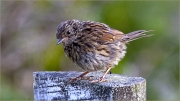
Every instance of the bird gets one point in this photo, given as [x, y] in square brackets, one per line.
[94, 46]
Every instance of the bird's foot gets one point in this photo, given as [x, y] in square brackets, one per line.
[79, 78]
[98, 81]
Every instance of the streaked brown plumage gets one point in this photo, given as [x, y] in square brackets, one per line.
[94, 46]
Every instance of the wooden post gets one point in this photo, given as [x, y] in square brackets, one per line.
[55, 86]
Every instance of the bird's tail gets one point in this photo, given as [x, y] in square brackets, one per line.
[135, 35]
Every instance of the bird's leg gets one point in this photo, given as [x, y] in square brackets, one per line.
[78, 78]
[102, 78]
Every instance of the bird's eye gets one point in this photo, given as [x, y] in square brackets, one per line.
[68, 33]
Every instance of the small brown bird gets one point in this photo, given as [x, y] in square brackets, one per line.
[94, 46]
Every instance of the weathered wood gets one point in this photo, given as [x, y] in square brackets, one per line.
[54, 86]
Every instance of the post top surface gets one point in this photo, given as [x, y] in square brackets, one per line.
[113, 80]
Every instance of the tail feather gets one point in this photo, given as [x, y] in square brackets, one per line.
[135, 35]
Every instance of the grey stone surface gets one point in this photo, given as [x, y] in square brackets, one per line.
[55, 86]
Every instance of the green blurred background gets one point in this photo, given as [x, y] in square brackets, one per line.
[28, 42]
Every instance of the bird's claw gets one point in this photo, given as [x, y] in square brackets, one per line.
[79, 78]
[98, 81]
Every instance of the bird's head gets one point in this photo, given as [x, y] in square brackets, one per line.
[66, 31]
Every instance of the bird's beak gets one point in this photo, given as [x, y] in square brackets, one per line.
[59, 41]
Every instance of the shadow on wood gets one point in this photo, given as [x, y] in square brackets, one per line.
[54, 86]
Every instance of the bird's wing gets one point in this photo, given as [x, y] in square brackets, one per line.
[101, 33]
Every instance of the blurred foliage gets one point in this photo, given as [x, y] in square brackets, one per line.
[7, 92]
[28, 42]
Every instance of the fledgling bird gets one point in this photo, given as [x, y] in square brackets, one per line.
[94, 46]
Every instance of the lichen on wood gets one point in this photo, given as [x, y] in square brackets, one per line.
[55, 86]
